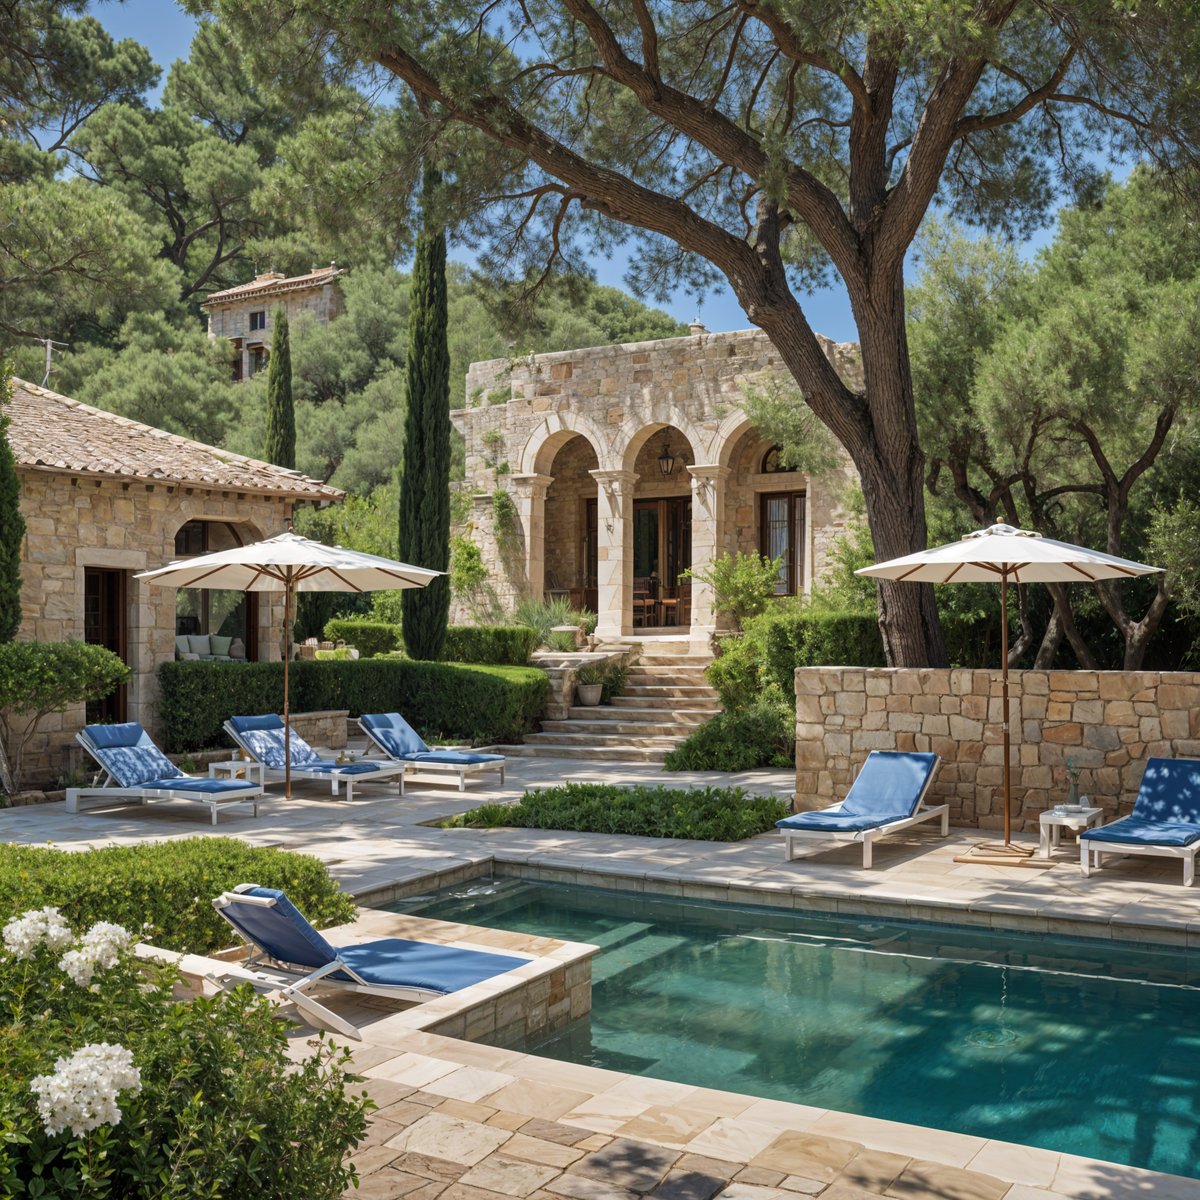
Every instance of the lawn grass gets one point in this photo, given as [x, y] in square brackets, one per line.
[710, 814]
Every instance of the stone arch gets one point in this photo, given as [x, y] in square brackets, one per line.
[553, 433]
[635, 433]
[728, 434]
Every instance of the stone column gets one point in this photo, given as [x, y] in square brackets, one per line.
[708, 541]
[529, 494]
[614, 555]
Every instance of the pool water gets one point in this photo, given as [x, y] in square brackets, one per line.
[1082, 1046]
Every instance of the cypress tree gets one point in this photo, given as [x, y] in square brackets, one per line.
[12, 525]
[425, 484]
[281, 413]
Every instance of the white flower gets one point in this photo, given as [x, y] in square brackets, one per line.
[24, 934]
[99, 949]
[82, 1093]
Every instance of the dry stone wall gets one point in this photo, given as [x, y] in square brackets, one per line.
[1106, 723]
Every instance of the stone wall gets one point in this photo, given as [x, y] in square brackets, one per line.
[1107, 723]
[75, 522]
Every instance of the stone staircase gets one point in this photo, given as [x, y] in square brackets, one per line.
[665, 698]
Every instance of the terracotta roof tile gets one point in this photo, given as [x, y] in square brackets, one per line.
[273, 284]
[49, 432]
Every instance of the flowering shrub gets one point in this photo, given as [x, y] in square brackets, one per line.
[111, 1088]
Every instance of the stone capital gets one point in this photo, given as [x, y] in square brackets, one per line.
[530, 483]
[709, 473]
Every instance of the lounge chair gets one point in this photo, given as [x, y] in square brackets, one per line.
[292, 960]
[888, 795]
[405, 747]
[1165, 821]
[134, 769]
[262, 738]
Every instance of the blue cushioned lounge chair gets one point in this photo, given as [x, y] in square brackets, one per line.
[1165, 821]
[403, 745]
[262, 738]
[133, 768]
[887, 795]
[289, 957]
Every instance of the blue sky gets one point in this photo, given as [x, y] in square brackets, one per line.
[166, 31]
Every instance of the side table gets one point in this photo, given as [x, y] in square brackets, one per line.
[1054, 820]
[237, 768]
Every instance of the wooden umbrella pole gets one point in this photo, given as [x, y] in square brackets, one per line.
[1004, 676]
[287, 659]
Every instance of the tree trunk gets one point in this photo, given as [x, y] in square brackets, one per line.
[1062, 606]
[1051, 640]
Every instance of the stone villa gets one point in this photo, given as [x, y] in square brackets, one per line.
[242, 314]
[624, 465]
[104, 497]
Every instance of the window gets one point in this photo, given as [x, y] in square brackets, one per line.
[258, 320]
[229, 614]
[781, 531]
[258, 359]
[772, 463]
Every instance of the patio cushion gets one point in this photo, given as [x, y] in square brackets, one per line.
[824, 821]
[263, 737]
[462, 758]
[181, 644]
[198, 643]
[394, 734]
[196, 786]
[1138, 832]
[128, 733]
[328, 766]
[398, 962]
[1170, 791]
[132, 766]
[282, 930]
[889, 784]
[220, 645]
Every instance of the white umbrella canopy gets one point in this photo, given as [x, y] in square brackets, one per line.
[1000, 554]
[289, 563]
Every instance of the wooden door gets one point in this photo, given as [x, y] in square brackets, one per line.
[106, 623]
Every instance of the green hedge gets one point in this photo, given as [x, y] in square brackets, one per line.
[168, 884]
[707, 814]
[760, 736]
[441, 700]
[369, 638]
[501, 645]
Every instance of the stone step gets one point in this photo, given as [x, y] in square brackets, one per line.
[610, 712]
[638, 729]
[694, 675]
[588, 740]
[710, 704]
[674, 660]
[670, 689]
[632, 754]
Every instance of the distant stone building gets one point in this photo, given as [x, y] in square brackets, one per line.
[104, 497]
[242, 314]
[624, 465]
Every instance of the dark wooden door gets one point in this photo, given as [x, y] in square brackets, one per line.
[105, 623]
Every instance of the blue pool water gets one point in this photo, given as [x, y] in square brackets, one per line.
[1076, 1045]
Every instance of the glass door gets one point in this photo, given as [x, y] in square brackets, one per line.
[104, 624]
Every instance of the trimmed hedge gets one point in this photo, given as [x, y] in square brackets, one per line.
[749, 739]
[369, 638]
[500, 645]
[441, 700]
[170, 885]
[707, 814]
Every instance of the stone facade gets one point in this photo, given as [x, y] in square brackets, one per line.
[557, 431]
[229, 312]
[1106, 723]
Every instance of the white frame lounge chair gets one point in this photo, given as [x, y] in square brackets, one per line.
[1165, 822]
[887, 795]
[262, 738]
[291, 960]
[134, 770]
[396, 738]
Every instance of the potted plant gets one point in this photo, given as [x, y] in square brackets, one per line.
[589, 683]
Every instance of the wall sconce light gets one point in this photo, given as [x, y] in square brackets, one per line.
[666, 460]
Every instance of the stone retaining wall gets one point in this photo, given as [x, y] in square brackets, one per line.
[1107, 723]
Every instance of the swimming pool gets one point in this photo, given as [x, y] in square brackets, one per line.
[1083, 1046]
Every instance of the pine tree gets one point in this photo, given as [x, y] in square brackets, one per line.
[425, 485]
[12, 525]
[281, 413]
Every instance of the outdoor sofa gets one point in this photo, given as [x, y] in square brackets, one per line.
[133, 768]
[393, 735]
[887, 795]
[291, 960]
[262, 738]
[1165, 821]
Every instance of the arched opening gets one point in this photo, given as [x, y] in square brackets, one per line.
[659, 455]
[571, 522]
[214, 623]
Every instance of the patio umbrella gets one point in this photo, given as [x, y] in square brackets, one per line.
[289, 563]
[1004, 554]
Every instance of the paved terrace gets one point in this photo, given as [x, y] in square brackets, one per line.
[461, 1121]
